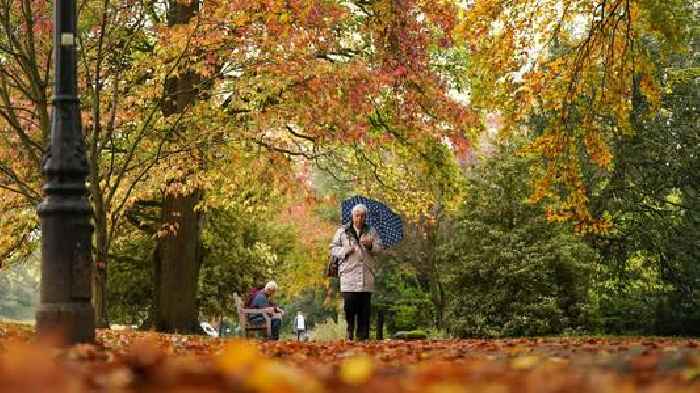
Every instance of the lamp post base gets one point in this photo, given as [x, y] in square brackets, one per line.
[73, 322]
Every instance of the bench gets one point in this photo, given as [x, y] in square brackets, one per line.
[248, 327]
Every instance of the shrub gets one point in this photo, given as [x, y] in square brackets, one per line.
[512, 272]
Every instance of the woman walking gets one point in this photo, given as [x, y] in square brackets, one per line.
[356, 245]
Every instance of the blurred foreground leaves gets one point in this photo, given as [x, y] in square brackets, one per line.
[150, 362]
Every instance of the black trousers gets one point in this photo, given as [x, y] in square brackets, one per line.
[358, 306]
[275, 326]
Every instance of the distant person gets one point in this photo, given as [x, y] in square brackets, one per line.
[263, 301]
[299, 325]
[355, 245]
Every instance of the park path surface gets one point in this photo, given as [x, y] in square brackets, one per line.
[151, 362]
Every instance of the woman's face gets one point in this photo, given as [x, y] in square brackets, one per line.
[358, 219]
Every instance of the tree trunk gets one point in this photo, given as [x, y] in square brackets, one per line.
[176, 259]
[99, 273]
[99, 295]
[437, 291]
[438, 298]
[177, 266]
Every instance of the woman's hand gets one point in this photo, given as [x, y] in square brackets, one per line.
[350, 249]
[366, 240]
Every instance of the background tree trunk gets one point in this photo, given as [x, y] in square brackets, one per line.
[177, 254]
[99, 271]
[177, 270]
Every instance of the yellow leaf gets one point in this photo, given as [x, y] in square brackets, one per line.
[446, 387]
[524, 362]
[356, 370]
[284, 18]
[271, 376]
[238, 356]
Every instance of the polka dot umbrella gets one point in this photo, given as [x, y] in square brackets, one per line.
[387, 223]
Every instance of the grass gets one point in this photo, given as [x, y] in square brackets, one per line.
[329, 330]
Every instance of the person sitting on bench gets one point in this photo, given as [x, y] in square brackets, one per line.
[263, 301]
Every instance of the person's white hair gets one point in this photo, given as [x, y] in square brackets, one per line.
[360, 207]
[270, 286]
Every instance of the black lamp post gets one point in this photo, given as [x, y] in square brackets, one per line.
[65, 213]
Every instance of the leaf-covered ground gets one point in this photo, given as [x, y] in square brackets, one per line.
[150, 362]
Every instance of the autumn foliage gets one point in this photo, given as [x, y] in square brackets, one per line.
[391, 99]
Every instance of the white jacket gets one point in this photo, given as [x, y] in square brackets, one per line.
[357, 269]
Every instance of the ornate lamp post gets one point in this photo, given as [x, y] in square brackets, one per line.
[65, 212]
